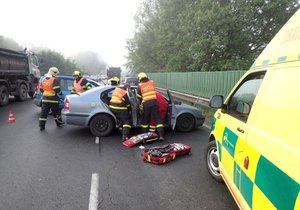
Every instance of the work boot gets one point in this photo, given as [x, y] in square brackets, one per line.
[161, 138]
[161, 133]
[124, 138]
[42, 128]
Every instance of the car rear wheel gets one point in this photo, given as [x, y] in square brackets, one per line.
[102, 125]
[185, 123]
[212, 161]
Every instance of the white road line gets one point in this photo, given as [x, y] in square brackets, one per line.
[97, 140]
[206, 126]
[93, 205]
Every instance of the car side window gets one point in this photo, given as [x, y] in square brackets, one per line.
[106, 96]
[69, 84]
[241, 101]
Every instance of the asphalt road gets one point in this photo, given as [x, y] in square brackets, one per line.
[53, 169]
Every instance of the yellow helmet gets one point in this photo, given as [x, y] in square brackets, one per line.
[76, 73]
[114, 81]
[141, 76]
[53, 71]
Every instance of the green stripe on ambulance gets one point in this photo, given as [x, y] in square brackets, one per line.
[280, 189]
[229, 141]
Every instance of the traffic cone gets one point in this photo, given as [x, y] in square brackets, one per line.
[11, 118]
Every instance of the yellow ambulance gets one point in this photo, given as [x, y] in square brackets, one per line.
[254, 144]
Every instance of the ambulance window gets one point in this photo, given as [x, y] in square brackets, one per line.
[241, 101]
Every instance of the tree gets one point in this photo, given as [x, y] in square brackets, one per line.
[90, 62]
[204, 35]
[49, 58]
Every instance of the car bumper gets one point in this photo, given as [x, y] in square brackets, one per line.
[75, 119]
[199, 121]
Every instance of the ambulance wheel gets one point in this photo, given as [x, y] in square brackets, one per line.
[101, 125]
[212, 161]
[185, 123]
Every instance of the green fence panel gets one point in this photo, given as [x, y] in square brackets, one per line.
[205, 84]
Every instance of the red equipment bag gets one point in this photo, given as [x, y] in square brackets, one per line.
[144, 137]
[165, 153]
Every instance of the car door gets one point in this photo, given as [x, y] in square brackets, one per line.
[232, 120]
[171, 115]
[135, 115]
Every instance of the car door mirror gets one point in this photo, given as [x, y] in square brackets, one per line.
[216, 101]
[243, 108]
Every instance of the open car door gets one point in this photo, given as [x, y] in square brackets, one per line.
[134, 101]
[171, 109]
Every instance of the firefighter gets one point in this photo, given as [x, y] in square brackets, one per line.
[80, 84]
[120, 106]
[147, 93]
[50, 88]
[163, 109]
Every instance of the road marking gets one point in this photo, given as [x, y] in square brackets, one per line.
[93, 205]
[97, 140]
[206, 126]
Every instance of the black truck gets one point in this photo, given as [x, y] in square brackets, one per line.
[19, 75]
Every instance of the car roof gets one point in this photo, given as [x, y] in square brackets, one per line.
[72, 78]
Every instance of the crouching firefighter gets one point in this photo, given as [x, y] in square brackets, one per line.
[147, 92]
[50, 88]
[120, 106]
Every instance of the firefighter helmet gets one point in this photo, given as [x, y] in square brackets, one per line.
[53, 71]
[76, 73]
[114, 81]
[141, 76]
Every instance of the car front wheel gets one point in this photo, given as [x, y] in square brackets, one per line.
[102, 125]
[212, 161]
[185, 123]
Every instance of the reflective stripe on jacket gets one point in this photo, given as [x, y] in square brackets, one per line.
[148, 90]
[77, 86]
[118, 100]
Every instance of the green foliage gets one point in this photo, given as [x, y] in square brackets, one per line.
[204, 35]
[49, 58]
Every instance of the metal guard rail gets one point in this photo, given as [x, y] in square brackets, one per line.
[186, 97]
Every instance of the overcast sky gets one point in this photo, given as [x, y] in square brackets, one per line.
[70, 26]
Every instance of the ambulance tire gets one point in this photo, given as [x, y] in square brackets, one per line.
[212, 161]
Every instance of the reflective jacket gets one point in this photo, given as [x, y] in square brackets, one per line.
[80, 85]
[119, 99]
[50, 87]
[148, 91]
[77, 85]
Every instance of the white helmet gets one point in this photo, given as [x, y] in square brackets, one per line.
[53, 71]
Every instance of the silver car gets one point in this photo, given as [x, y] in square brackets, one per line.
[91, 109]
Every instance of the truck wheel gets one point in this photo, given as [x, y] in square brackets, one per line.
[22, 93]
[101, 125]
[212, 161]
[4, 96]
[31, 94]
[185, 123]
